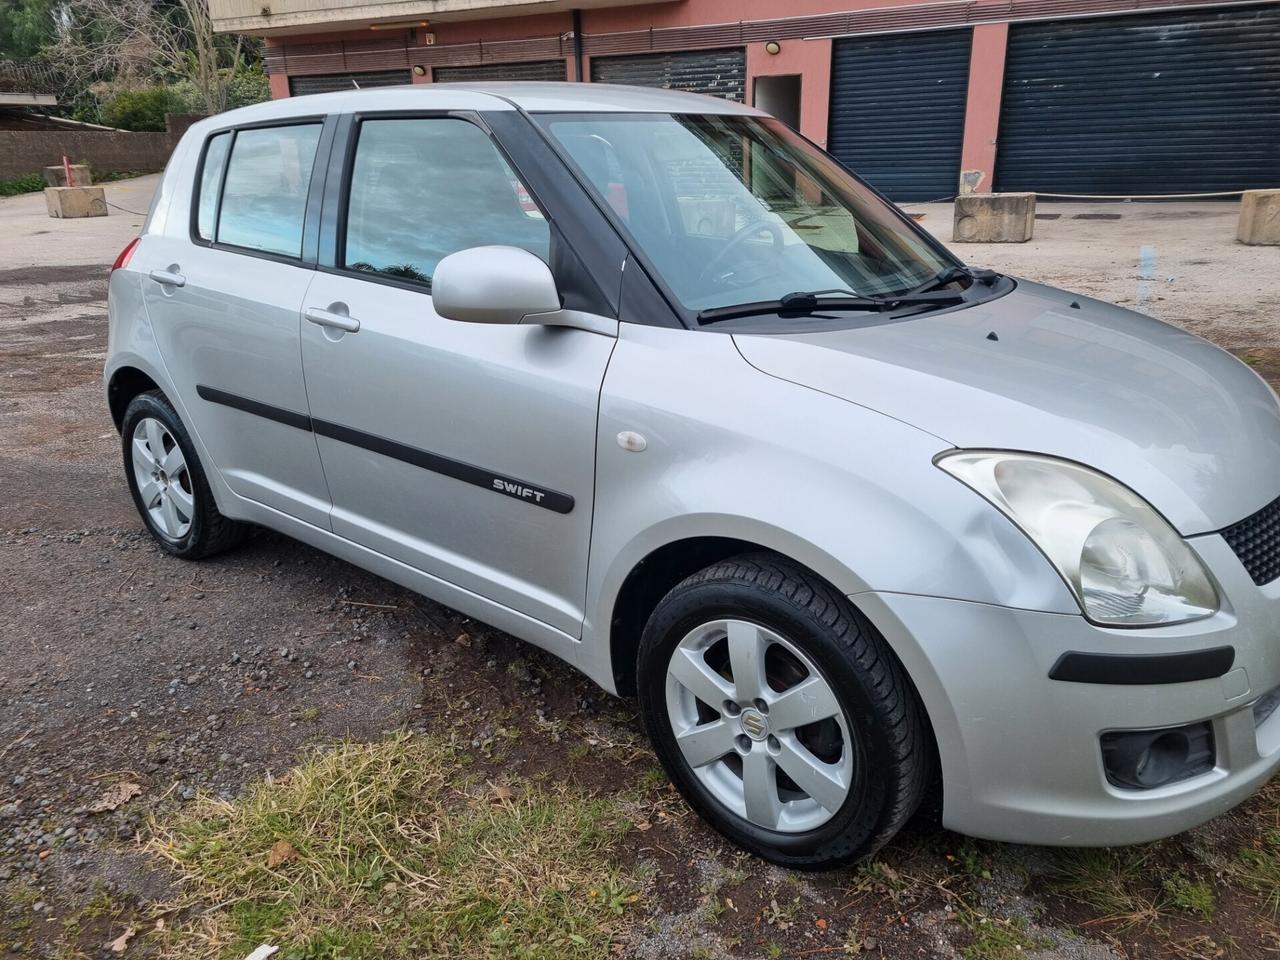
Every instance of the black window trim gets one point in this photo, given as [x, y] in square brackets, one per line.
[311, 208]
[332, 254]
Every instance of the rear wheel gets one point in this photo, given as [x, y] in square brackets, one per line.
[168, 484]
[781, 714]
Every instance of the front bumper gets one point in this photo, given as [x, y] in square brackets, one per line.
[1020, 753]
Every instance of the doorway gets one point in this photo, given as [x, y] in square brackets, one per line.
[780, 96]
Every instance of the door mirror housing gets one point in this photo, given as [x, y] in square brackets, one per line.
[493, 285]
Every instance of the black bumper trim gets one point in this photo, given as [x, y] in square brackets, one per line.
[1141, 669]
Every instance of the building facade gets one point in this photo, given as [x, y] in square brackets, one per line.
[925, 99]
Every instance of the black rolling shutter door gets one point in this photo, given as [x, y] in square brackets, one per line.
[897, 110]
[534, 70]
[717, 73]
[331, 82]
[1181, 102]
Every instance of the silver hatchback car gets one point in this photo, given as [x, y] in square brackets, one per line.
[651, 382]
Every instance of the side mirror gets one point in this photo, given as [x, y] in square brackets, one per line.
[493, 285]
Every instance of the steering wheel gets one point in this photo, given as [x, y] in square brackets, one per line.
[748, 232]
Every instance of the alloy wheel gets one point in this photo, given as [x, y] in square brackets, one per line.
[164, 482]
[759, 725]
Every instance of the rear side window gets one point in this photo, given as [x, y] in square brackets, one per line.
[215, 160]
[264, 193]
[425, 188]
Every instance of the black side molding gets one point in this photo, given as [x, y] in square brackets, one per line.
[445, 466]
[257, 408]
[1144, 668]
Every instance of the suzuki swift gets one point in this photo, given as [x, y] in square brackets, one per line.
[649, 381]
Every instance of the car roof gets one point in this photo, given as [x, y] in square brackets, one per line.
[589, 97]
[532, 96]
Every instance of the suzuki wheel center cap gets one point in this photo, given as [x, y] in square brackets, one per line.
[754, 724]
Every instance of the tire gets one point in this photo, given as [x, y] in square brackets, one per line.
[179, 510]
[875, 745]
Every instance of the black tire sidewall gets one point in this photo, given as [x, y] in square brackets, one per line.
[847, 835]
[155, 406]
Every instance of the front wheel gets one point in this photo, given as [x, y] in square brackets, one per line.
[781, 714]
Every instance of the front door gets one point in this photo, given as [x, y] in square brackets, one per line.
[464, 450]
[225, 306]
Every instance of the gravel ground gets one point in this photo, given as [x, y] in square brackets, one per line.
[124, 665]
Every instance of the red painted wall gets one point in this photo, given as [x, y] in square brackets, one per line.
[811, 60]
[982, 111]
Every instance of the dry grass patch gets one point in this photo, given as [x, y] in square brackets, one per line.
[1109, 880]
[387, 850]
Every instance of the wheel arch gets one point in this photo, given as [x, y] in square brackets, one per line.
[663, 567]
[126, 383]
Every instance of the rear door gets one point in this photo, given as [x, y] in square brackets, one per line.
[224, 295]
[464, 450]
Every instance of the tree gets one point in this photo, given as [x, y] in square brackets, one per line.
[26, 27]
[140, 42]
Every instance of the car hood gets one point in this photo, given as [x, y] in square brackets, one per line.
[1181, 422]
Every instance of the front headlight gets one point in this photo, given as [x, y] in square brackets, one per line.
[1122, 560]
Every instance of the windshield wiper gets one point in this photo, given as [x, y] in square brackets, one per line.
[951, 275]
[797, 304]
[806, 302]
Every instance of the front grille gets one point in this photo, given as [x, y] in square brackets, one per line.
[1256, 541]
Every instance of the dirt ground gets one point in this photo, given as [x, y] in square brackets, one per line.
[121, 664]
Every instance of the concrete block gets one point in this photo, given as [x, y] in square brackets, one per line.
[994, 217]
[68, 202]
[57, 177]
[1259, 217]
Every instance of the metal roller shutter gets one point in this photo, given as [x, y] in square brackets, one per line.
[1159, 103]
[717, 73]
[537, 70]
[897, 110]
[332, 82]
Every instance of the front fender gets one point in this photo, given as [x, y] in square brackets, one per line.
[848, 492]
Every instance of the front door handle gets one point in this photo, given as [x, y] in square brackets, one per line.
[170, 278]
[327, 318]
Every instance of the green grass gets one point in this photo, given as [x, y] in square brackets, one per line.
[27, 183]
[994, 938]
[1190, 896]
[1258, 868]
[651, 778]
[397, 857]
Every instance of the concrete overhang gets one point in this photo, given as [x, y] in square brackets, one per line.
[10, 99]
[265, 18]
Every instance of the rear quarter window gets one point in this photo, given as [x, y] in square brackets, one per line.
[215, 161]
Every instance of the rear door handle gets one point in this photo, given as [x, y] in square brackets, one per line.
[170, 278]
[327, 318]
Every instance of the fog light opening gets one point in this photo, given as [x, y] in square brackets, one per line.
[1163, 760]
[1146, 759]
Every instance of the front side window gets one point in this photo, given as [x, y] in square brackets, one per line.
[735, 209]
[422, 189]
[264, 197]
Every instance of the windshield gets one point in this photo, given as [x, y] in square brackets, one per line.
[734, 209]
